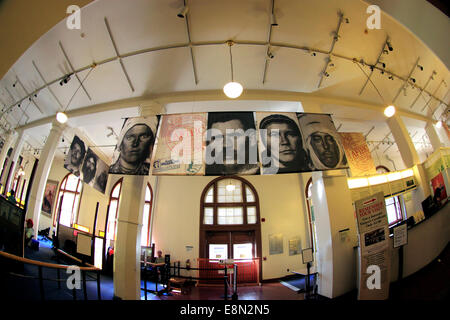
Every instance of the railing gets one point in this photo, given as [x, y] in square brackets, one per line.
[58, 268]
[211, 274]
[248, 269]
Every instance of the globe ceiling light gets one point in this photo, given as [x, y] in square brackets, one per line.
[230, 187]
[439, 124]
[61, 117]
[389, 111]
[233, 89]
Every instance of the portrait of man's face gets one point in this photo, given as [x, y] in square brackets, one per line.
[136, 143]
[76, 155]
[89, 168]
[322, 141]
[289, 141]
[240, 142]
[233, 140]
[326, 148]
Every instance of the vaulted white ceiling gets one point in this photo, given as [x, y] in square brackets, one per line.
[161, 53]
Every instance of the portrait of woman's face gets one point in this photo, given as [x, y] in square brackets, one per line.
[289, 141]
[136, 143]
[326, 148]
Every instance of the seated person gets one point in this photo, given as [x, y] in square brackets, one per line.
[29, 232]
[159, 258]
[12, 197]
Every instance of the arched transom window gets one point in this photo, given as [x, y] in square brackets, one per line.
[229, 201]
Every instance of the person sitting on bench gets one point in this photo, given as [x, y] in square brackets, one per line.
[159, 258]
[29, 232]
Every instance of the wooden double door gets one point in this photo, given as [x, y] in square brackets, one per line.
[230, 244]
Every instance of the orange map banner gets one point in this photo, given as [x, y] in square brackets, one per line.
[358, 154]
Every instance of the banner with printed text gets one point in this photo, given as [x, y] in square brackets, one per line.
[374, 252]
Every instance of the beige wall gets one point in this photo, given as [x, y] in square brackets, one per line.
[177, 215]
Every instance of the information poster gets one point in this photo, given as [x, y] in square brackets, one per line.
[400, 235]
[373, 228]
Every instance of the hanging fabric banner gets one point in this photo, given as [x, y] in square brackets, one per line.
[132, 154]
[358, 154]
[180, 145]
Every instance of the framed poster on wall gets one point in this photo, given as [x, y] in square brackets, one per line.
[49, 196]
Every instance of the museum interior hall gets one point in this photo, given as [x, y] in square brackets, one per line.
[224, 150]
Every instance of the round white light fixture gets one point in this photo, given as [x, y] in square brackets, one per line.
[233, 89]
[439, 124]
[230, 188]
[61, 117]
[389, 111]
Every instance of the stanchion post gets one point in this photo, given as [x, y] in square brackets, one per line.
[235, 295]
[41, 283]
[98, 286]
[145, 280]
[308, 267]
[225, 283]
[83, 273]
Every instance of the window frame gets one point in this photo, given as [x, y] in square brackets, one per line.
[400, 216]
[215, 205]
[62, 188]
[111, 198]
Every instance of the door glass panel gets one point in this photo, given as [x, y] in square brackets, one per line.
[218, 251]
[242, 251]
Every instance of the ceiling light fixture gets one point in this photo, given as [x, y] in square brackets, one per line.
[439, 124]
[232, 89]
[389, 111]
[273, 18]
[61, 117]
[183, 12]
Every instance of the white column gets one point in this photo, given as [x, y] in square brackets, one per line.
[11, 166]
[410, 158]
[333, 211]
[127, 251]
[40, 178]
[403, 140]
[432, 134]
[11, 136]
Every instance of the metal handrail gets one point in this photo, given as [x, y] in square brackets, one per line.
[58, 267]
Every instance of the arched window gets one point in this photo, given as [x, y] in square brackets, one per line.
[113, 211]
[111, 221]
[229, 202]
[145, 233]
[70, 190]
[229, 220]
